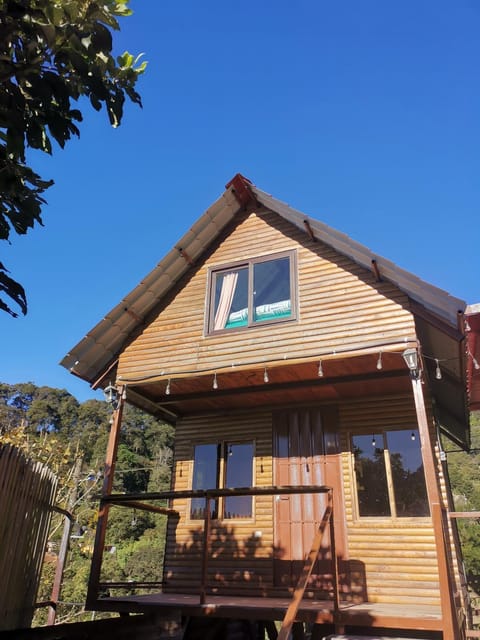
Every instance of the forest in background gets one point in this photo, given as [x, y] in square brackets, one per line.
[51, 426]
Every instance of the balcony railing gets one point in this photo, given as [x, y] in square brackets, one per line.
[142, 501]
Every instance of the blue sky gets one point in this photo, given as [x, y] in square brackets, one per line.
[365, 115]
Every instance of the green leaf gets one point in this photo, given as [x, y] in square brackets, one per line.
[101, 39]
[125, 60]
[14, 290]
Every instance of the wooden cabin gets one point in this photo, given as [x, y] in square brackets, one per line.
[310, 382]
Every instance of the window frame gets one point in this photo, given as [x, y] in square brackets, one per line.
[250, 263]
[389, 477]
[218, 509]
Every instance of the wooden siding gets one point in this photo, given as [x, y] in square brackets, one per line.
[387, 560]
[240, 562]
[398, 556]
[341, 306]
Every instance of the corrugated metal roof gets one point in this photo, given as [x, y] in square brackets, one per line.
[93, 354]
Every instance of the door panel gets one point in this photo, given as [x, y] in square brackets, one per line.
[299, 459]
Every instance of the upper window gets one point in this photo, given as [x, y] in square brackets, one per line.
[389, 475]
[260, 290]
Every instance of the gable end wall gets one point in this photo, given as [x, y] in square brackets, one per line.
[341, 306]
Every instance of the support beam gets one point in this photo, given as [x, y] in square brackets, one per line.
[376, 270]
[309, 229]
[450, 629]
[92, 592]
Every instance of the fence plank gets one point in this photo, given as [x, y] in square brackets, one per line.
[27, 495]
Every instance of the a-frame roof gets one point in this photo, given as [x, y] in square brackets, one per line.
[91, 358]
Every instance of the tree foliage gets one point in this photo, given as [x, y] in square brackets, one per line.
[464, 473]
[51, 55]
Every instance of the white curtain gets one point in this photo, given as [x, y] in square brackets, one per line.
[226, 298]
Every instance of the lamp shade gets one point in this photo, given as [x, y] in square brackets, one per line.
[110, 394]
[411, 358]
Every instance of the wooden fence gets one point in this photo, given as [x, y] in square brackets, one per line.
[27, 495]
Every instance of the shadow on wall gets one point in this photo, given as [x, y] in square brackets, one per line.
[248, 567]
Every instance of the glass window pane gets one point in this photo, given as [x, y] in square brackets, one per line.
[407, 473]
[271, 290]
[231, 299]
[371, 475]
[239, 466]
[205, 476]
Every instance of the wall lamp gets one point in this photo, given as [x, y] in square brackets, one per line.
[411, 359]
[111, 395]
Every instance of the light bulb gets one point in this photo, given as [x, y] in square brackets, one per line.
[379, 361]
[438, 371]
[167, 388]
[215, 383]
[320, 369]
[265, 375]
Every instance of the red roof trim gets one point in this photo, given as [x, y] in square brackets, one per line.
[242, 190]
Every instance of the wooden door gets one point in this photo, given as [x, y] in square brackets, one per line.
[299, 442]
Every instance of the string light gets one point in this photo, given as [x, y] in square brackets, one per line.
[474, 360]
[412, 437]
[320, 369]
[374, 444]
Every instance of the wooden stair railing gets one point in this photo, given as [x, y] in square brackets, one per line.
[291, 613]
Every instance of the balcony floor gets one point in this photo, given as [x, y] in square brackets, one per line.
[375, 615]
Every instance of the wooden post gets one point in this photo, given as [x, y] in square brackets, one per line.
[450, 631]
[206, 550]
[65, 542]
[333, 551]
[92, 592]
[62, 556]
